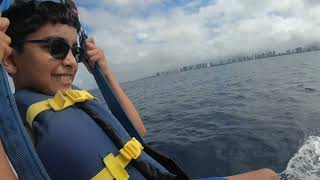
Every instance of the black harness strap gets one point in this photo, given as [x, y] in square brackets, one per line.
[146, 169]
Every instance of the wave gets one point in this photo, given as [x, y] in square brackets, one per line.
[305, 164]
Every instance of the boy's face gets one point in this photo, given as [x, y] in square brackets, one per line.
[36, 69]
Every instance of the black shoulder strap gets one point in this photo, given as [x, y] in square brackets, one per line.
[147, 169]
[167, 162]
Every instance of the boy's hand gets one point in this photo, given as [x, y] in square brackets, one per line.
[5, 41]
[95, 55]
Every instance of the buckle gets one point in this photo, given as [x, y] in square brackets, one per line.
[132, 149]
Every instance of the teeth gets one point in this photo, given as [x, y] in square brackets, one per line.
[63, 77]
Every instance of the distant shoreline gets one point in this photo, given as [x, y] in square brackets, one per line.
[234, 60]
[212, 65]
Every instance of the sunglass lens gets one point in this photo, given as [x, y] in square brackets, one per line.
[59, 48]
[76, 51]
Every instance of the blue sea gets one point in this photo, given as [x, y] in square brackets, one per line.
[234, 118]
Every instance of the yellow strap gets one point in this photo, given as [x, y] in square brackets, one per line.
[59, 102]
[115, 166]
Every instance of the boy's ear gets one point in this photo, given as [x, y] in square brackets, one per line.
[10, 64]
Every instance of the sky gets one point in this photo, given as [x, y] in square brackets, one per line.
[143, 37]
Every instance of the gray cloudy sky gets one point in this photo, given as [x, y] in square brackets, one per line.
[142, 37]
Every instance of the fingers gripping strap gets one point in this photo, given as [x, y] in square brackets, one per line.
[59, 102]
[115, 166]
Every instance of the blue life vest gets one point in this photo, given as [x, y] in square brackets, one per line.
[71, 145]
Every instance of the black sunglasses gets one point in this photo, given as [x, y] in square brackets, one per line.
[58, 47]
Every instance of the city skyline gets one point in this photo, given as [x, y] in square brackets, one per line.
[236, 59]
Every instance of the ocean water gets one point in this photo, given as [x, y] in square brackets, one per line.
[230, 119]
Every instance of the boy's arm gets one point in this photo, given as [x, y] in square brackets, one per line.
[6, 170]
[5, 49]
[96, 55]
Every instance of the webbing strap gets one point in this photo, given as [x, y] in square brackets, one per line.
[14, 137]
[109, 96]
[4, 5]
[59, 102]
[113, 103]
[115, 166]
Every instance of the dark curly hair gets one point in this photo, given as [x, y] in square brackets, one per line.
[28, 17]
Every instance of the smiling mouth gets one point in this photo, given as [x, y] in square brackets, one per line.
[65, 78]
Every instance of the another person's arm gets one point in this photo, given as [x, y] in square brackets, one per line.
[96, 55]
[261, 174]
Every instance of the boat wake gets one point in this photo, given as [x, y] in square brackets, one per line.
[305, 164]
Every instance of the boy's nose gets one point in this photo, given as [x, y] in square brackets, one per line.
[69, 59]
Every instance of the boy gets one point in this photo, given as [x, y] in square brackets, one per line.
[42, 64]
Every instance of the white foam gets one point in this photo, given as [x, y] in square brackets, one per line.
[305, 164]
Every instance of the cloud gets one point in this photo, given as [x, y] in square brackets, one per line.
[128, 3]
[143, 37]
